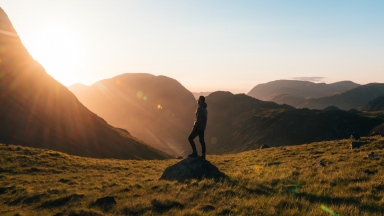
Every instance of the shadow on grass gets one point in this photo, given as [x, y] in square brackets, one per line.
[158, 206]
[85, 212]
[61, 201]
[27, 199]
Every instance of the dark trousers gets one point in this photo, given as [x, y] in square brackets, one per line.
[193, 135]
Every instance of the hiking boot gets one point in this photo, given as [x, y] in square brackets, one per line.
[202, 157]
[193, 155]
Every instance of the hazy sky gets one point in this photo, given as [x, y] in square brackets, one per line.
[206, 45]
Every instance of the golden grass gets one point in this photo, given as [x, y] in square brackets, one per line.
[44, 182]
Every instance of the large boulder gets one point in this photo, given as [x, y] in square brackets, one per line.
[191, 168]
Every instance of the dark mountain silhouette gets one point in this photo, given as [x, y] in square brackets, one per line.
[374, 105]
[197, 94]
[270, 90]
[37, 111]
[156, 109]
[240, 122]
[331, 108]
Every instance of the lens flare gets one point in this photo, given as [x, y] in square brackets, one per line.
[294, 192]
[159, 106]
[329, 210]
[145, 98]
[139, 94]
[213, 140]
[118, 82]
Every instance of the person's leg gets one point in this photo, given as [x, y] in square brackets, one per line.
[202, 142]
[192, 136]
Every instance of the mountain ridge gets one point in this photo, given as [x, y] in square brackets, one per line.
[267, 91]
[353, 98]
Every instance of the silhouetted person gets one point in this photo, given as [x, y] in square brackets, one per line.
[199, 127]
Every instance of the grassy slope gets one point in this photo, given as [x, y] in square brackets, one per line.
[44, 182]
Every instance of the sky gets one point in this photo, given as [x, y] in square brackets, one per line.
[206, 45]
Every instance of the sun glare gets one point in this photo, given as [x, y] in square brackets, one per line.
[57, 49]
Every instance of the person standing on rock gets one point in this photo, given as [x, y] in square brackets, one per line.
[199, 127]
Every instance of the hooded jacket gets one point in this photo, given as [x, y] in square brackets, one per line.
[201, 117]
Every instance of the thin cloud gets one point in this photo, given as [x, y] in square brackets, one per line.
[312, 79]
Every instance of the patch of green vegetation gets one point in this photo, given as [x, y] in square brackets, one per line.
[44, 182]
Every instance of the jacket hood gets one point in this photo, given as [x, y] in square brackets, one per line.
[203, 104]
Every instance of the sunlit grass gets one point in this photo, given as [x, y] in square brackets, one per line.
[43, 182]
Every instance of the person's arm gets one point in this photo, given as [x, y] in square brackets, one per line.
[199, 118]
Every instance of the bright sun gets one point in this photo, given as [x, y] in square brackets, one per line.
[57, 49]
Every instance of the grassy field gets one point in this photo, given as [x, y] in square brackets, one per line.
[43, 182]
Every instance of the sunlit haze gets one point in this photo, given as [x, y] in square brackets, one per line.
[205, 45]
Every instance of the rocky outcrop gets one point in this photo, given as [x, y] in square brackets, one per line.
[191, 168]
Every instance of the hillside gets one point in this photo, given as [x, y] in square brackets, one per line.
[43, 182]
[291, 100]
[239, 123]
[374, 105]
[37, 111]
[270, 90]
[348, 99]
[156, 109]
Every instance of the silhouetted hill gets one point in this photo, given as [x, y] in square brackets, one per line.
[270, 90]
[331, 108]
[374, 105]
[37, 111]
[197, 94]
[240, 123]
[156, 109]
